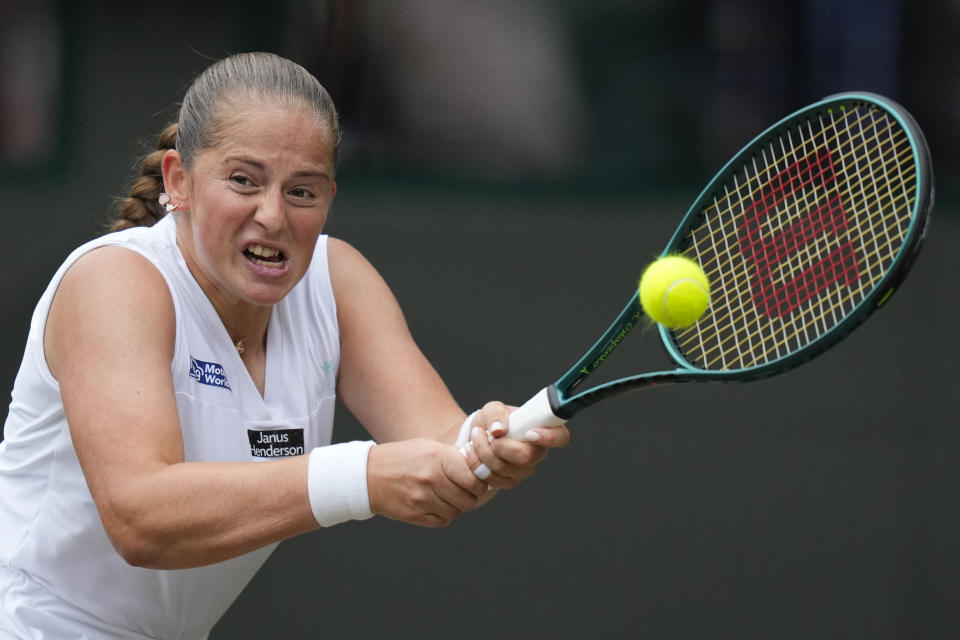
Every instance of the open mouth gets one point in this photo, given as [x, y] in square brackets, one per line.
[264, 256]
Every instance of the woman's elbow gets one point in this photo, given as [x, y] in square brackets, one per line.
[132, 537]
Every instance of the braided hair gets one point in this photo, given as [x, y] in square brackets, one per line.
[140, 208]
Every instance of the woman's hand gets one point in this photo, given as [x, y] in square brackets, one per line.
[508, 461]
[422, 482]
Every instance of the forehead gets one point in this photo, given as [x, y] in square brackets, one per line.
[272, 130]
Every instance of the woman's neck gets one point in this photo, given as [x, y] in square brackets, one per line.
[245, 323]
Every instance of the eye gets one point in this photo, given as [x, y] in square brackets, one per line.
[301, 193]
[241, 180]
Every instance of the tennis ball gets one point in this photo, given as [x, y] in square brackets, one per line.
[674, 291]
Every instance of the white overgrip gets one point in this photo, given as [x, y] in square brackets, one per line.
[535, 412]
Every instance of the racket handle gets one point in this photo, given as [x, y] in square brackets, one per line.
[535, 412]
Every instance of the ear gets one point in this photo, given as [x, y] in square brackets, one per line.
[175, 179]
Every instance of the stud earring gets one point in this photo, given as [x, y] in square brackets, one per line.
[164, 201]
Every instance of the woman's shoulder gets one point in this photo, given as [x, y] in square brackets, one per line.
[118, 272]
[338, 249]
[109, 294]
[132, 246]
[346, 263]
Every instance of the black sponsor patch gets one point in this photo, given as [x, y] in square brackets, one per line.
[275, 443]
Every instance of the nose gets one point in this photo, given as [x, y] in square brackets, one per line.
[271, 211]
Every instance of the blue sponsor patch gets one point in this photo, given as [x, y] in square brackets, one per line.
[209, 373]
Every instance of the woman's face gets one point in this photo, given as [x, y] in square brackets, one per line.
[254, 204]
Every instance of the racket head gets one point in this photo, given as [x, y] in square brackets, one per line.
[803, 234]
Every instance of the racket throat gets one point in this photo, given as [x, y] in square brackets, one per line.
[556, 404]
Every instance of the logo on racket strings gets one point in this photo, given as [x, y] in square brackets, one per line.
[810, 179]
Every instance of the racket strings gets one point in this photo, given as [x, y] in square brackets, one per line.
[830, 316]
[713, 269]
[716, 355]
[804, 329]
[747, 193]
[812, 223]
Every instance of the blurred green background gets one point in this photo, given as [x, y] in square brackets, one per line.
[501, 160]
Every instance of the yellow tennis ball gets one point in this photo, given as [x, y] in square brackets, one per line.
[674, 291]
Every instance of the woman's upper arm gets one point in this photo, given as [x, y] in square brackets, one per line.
[385, 380]
[109, 341]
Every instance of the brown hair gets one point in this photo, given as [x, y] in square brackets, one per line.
[249, 76]
[141, 208]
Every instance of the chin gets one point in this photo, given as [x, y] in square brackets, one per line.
[264, 295]
[266, 299]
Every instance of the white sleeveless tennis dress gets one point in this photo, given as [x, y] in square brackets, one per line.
[58, 570]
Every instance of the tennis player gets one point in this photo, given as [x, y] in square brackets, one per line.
[172, 418]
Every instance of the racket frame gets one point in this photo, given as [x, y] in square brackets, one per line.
[564, 401]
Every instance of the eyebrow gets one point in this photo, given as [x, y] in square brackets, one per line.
[303, 173]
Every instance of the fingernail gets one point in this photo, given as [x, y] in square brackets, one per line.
[496, 429]
[474, 433]
[482, 472]
[531, 436]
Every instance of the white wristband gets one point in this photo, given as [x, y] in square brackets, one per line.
[337, 483]
[464, 436]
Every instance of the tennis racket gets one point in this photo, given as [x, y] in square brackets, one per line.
[807, 231]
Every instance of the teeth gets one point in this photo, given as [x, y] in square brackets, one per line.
[263, 252]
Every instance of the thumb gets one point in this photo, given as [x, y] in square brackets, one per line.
[458, 468]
